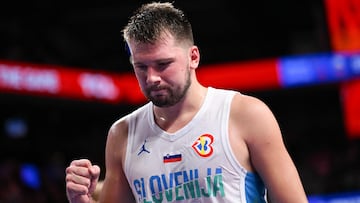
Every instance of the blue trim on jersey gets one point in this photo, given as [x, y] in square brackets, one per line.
[254, 188]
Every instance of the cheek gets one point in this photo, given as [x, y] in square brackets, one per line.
[183, 73]
[140, 78]
[180, 70]
[171, 76]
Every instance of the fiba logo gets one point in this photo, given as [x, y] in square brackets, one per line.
[203, 145]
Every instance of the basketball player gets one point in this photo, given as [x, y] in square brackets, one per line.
[190, 143]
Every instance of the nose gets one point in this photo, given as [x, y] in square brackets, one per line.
[153, 76]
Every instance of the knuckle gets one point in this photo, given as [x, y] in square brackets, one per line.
[77, 189]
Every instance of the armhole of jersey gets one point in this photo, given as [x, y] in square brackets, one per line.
[225, 139]
[130, 139]
[252, 183]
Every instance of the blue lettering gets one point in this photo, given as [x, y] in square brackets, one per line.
[191, 175]
[208, 172]
[155, 180]
[165, 182]
[177, 176]
[180, 185]
[143, 187]
[186, 177]
[137, 186]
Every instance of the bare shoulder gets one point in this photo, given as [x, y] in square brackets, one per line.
[260, 131]
[117, 139]
[119, 128]
[115, 187]
[249, 107]
[254, 116]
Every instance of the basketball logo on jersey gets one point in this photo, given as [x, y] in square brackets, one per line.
[203, 145]
[143, 149]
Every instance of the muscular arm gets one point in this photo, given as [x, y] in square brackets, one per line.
[267, 154]
[115, 186]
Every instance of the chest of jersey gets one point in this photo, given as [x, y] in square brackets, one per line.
[181, 167]
[195, 164]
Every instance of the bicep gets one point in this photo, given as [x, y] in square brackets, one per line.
[270, 157]
[266, 147]
[116, 187]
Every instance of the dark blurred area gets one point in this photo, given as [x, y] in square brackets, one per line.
[41, 135]
[88, 35]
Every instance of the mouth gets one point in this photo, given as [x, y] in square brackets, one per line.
[156, 88]
[157, 91]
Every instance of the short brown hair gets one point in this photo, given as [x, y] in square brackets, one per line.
[151, 20]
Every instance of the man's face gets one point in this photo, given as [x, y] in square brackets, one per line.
[162, 70]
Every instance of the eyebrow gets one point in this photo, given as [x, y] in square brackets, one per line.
[156, 61]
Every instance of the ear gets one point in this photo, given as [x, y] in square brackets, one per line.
[194, 57]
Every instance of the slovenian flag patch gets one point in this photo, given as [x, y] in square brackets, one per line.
[172, 158]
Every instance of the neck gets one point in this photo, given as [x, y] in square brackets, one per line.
[181, 113]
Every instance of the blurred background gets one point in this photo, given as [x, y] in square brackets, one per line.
[65, 78]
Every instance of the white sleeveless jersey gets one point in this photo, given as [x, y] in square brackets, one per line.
[195, 164]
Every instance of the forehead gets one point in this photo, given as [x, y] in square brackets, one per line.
[164, 47]
[164, 39]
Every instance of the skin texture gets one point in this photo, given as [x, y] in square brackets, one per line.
[166, 72]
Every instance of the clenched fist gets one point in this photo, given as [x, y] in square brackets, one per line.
[81, 180]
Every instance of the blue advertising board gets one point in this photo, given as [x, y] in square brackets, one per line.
[349, 197]
[320, 68]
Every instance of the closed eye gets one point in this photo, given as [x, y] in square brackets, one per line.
[140, 67]
[164, 65]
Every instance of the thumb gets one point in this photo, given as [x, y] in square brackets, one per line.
[95, 173]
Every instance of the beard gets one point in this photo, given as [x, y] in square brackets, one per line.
[172, 94]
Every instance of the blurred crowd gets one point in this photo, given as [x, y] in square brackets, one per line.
[32, 183]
